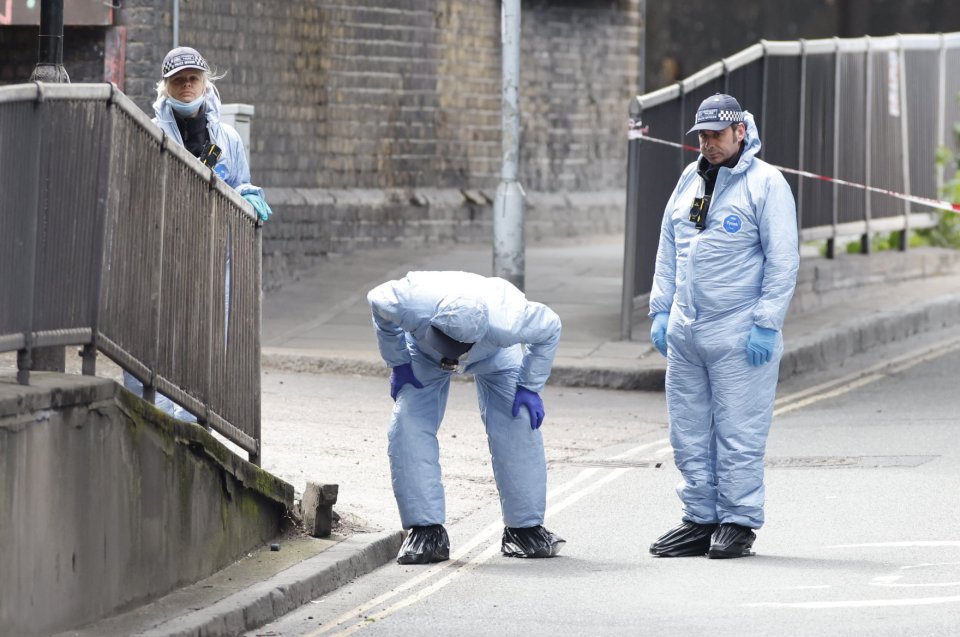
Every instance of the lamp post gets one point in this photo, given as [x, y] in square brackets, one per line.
[50, 58]
[508, 243]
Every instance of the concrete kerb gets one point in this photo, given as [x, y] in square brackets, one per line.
[832, 346]
[288, 590]
[648, 378]
[320, 364]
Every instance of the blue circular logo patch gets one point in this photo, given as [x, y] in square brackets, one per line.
[221, 171]
[732, 223]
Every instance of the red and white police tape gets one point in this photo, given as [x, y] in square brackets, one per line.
[638, 132]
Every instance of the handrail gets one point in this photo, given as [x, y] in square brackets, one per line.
[118, 239]
[861, 110]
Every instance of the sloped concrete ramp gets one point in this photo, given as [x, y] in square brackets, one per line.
[106, 503]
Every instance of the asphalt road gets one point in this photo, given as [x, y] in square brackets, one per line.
[862, 533]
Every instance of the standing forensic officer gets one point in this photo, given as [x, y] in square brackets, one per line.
[429, 326]
[726, 271]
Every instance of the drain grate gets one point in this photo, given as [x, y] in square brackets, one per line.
[785, 462]
[614, 464]
[846, 462]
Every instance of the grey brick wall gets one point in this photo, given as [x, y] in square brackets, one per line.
[149, 37]
[684, 37]
[378, 121]
[82, 53]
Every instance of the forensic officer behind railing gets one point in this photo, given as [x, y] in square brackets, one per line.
[430, 326]
[726, 271]
[188, 110]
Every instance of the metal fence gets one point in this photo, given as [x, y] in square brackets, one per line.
[115, 238]
[871, 111]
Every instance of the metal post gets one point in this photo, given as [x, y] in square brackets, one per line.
[866, 246]
[632, 221]
[905, 141]
[508, 212]
[50, 68]
[835, 190]
[176, 23]
[257, 458]
[33, 161]
[765, 73]
[941, 139]
[156, 283]
[803, 116]
[50, 57]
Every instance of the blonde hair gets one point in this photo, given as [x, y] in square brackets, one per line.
[208, 79]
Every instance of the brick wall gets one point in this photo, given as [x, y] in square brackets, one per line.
[378, 121]
[82, 53]
[684, 37]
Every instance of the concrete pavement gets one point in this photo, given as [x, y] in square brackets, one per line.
[321, 324]
[842, 307]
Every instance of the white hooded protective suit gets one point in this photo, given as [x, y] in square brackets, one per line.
[515, 341]
[232, 167]
[739, 271]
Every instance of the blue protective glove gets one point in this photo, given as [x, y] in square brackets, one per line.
[760, 345]
[259, 205]
[530, 400]
[658, 331]
[400, 376]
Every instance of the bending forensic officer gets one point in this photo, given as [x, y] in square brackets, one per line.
[726, 271]
[430, 325]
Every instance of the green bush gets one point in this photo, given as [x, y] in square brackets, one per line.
[946, 234]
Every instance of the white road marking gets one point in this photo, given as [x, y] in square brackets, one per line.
[837, 391]
[928, 565]
[904, 544]
[460, 568]
[863, 377]
[786, 404]
[893, 580]
[860, 603]
[894, 584]
[883, 580]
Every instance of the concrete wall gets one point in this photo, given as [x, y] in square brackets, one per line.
[107, 503]
[823, 282]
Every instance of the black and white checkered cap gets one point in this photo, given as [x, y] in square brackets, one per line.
[183, 57]
[717, 112]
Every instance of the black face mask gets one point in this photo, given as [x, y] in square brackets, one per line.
[449, 364]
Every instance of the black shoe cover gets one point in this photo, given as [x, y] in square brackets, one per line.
[425, 544]
[687, 540]
[731, 540]
[534, 541]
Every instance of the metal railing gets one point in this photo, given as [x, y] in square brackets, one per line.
[113, 237]
[871, 111]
